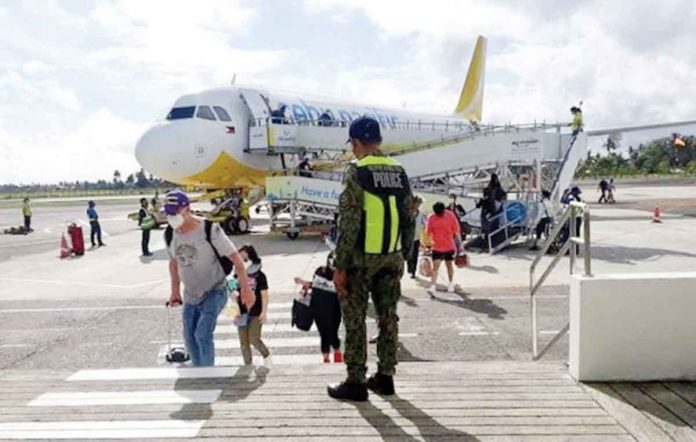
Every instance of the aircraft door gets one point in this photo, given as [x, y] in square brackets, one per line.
[258, 125]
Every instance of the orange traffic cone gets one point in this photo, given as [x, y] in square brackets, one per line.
[657, 214]
[64, 249]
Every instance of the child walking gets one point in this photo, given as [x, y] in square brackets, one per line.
[250, 332]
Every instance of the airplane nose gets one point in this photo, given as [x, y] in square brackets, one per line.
[167, 149]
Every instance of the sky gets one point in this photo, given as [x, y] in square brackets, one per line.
[81, 80]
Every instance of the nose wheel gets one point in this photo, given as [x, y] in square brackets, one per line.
[233, 225]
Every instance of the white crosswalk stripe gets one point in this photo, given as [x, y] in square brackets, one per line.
[126, 398]
[137, 429]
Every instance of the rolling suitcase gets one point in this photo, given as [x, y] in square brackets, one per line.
[77, 240]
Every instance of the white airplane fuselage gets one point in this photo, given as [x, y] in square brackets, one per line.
[204, 141]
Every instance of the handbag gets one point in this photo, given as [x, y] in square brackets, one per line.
[425, 267]
[148, 223]
[302, 316]
[462, 260]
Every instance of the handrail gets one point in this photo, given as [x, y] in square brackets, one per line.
[568, 218]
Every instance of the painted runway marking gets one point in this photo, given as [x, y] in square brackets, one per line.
[296, 359]
[225, 318]
[163, 373]
[14, 345]
[89, 398]
[140, 429]
[271, 306]
[231, 329]
[73, 283]
[308, 341]
[549, 332]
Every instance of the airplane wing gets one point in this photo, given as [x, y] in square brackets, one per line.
[617, 130]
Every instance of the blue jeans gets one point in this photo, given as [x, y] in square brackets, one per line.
[199, 325]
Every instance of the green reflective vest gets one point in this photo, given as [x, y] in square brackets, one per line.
[385, 187]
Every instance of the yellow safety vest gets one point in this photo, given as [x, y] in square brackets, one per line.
[577, 120]
[385, 187]
[26, 209]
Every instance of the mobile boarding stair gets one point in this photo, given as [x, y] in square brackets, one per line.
[440, 159]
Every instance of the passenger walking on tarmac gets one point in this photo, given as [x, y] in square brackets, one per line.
[26, 211]
[256, 316]
[197, 249]
[577, 124]
[326, 309]
[146, 223]
[604, 188]
[611, 192]
[546, 214]
[443, 229]
[376, 228]
[95, 227]
[421, 219]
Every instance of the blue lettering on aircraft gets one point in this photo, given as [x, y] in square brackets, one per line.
[303, 112]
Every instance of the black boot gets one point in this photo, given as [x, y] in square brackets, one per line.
[348, 391]
[381, 384]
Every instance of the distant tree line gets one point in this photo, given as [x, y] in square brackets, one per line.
[135, 180]
[675, 155]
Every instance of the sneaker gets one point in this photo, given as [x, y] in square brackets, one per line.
[245, 370]
[432, 289]
[348, 391]
[381, 384]
[327, 360]
[102, 245]
[338, 357]
[450, 287]
[373, 339]
[413, 276]
[267, 361]
[148, 254]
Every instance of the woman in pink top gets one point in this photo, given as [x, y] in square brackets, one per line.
[443, 228]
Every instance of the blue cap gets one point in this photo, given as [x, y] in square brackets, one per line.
[175, 200]
[366, 130]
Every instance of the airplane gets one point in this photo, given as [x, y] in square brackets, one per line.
[206, 139]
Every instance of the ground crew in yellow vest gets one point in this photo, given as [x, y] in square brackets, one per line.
[26, 211]
[376, 227]
[577, 124]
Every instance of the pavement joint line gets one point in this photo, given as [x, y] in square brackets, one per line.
[478, 333]
[84, 284]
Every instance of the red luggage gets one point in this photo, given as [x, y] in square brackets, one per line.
[77, 240]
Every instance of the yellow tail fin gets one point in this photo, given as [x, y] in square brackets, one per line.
[471, 99]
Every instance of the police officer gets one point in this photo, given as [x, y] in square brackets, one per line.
[376, 228]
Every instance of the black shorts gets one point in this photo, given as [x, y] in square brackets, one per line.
[443, 256]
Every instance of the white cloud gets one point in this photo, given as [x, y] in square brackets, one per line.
[93, 150]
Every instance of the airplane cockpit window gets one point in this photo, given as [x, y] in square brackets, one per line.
[179, 113]
[205, 113]
[222, 113]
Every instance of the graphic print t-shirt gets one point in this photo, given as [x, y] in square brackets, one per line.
[199, 268]
[258, 283]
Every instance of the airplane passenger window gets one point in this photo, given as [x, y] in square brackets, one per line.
[205, 113]
[179, 113]
[222, 113]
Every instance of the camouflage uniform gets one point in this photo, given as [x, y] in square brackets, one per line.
[378, 275]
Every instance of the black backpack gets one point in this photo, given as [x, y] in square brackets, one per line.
[225, 261]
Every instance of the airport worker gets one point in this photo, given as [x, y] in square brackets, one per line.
[611, 192]
[376, 228]
[421, 218]
[443, 227]
[195, 248]
[94, 226]
[577, 123]
[26, 211]
[304, 168]
[146, 222]
[325, 119]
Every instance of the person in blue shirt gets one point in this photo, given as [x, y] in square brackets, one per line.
[95, 228]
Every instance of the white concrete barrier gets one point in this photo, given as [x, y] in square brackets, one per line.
[633, 327]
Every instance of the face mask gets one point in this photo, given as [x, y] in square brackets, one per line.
[175, 221]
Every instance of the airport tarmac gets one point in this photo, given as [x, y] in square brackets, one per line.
[105, 309]
[82, 342]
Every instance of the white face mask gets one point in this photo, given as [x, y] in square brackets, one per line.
[175, 221]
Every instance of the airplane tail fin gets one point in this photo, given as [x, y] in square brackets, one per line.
[471, 98]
